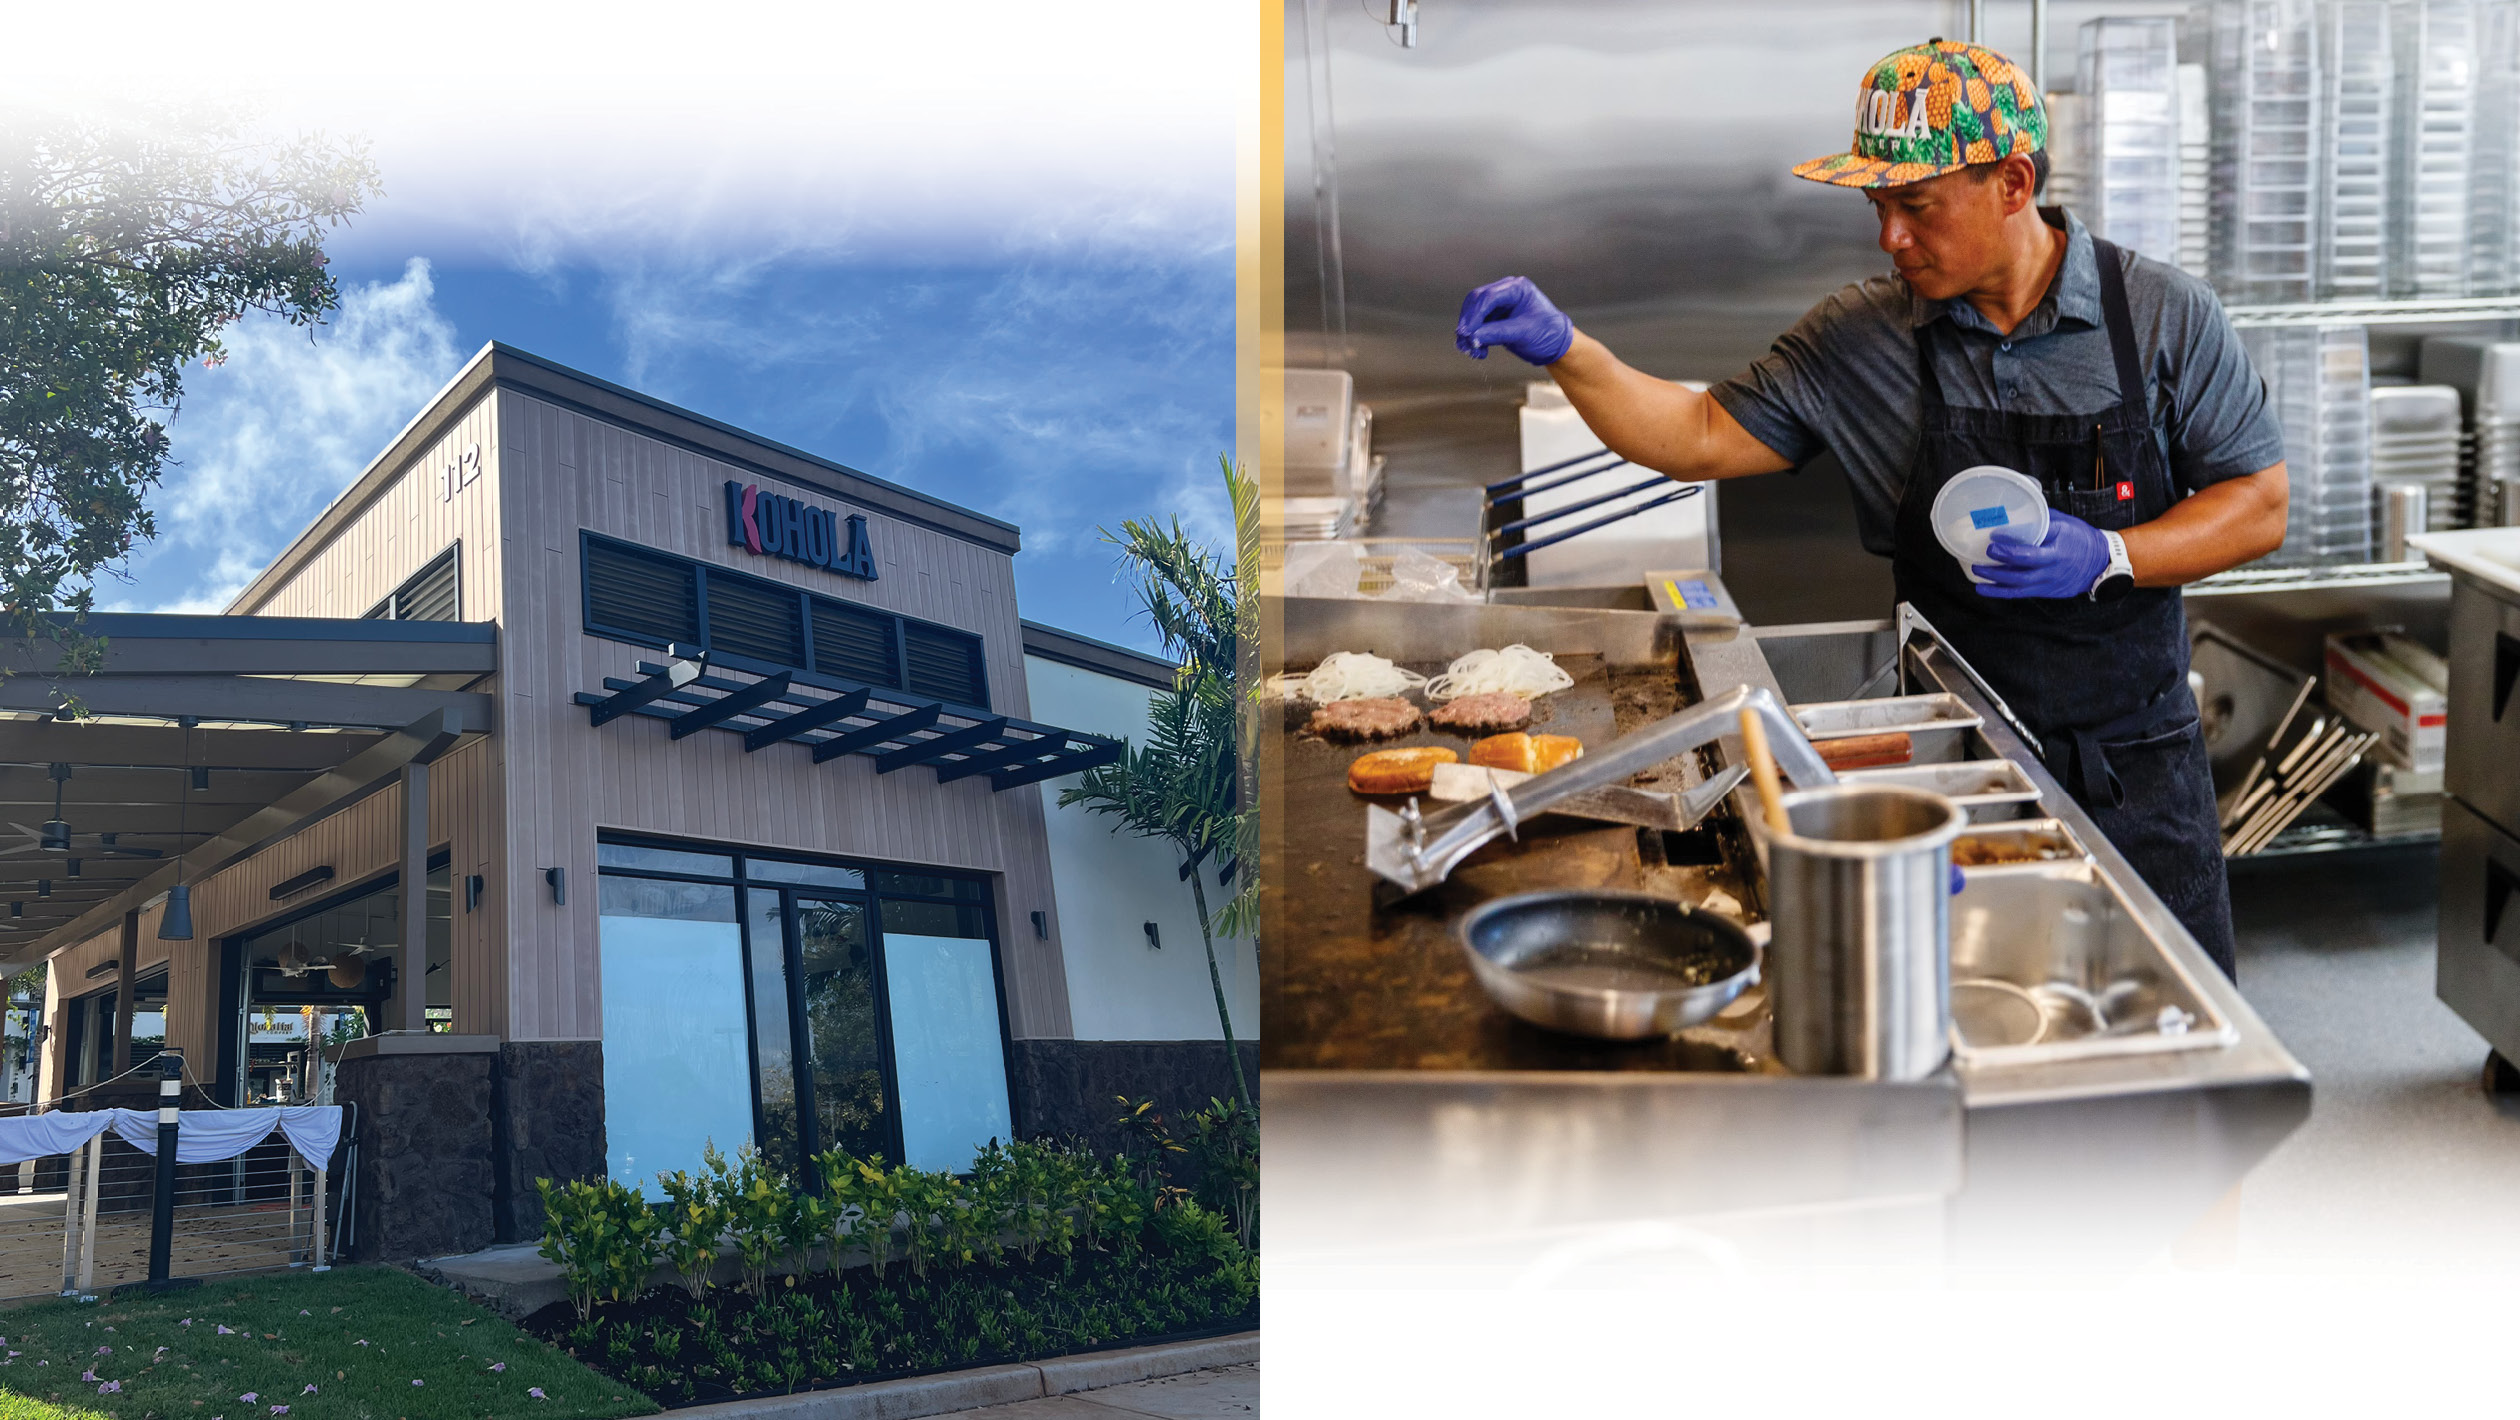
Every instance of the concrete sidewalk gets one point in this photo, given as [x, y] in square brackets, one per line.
[1123, 1383]
[1230, 1393]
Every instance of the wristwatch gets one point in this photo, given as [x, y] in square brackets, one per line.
[2118, 578]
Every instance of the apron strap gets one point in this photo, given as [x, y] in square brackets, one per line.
[2088, 775]
[1929, 390]
[2121, 323]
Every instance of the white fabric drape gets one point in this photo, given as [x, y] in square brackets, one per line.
[206, 1136]
[36, 1136]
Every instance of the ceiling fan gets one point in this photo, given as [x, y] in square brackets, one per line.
[55, 836]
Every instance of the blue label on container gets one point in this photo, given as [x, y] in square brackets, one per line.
[1694, 595]
[1988, 517]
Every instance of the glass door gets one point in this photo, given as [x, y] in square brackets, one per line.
[843, 1027]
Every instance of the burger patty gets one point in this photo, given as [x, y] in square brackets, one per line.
[1375, 719]
[1487, 713]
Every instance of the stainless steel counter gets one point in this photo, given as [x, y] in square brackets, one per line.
[2101, 1152]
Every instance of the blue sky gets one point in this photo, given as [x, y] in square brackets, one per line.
[995, 264]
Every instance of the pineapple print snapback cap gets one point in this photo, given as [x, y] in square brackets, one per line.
[1932, 109]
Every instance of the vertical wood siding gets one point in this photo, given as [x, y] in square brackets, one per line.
[403, 525]
[565, 472]
[535, 793]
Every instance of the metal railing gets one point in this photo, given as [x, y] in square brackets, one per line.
[108, 1213]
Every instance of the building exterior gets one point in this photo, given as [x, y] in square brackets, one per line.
[761, 844]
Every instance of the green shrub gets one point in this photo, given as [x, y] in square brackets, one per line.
[1225, 1140]
[1150, 1142]
[695, 1227]
[603, 1235]
[757, 1204]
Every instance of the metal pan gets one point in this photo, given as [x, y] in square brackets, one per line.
[1611, 965]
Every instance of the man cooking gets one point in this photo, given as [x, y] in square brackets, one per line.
[2009, 336]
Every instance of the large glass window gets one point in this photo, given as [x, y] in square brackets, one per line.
[93, 1020]
[331, 975]
[677, 1067]
[869, 1006]
[949, 1053]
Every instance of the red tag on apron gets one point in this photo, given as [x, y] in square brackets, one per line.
[2126, 491]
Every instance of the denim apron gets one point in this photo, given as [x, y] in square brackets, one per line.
[2102, 684]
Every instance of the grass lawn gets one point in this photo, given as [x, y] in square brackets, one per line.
[357, 1343]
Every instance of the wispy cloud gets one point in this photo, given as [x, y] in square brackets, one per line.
[266, 440]
[1062, 385]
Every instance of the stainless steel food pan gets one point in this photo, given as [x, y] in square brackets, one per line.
[1991, 790]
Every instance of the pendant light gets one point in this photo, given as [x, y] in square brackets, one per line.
[175, 924]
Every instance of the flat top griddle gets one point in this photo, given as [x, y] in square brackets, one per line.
[1352, 978]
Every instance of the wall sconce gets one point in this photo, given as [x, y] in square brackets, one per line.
[1041, 925]
[559, 880]
[472, 891]
[1154, 940]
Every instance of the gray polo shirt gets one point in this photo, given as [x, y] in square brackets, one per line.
[1845, 379]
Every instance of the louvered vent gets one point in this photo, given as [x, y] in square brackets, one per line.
[758, 619]
[944, 665]
[640, 597]
[430, 595]
[853, 644]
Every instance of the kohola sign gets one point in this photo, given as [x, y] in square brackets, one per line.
[777, 526]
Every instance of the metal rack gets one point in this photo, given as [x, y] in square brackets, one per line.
[2406, 311]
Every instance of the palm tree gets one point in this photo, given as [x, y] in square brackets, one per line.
[1187, 784]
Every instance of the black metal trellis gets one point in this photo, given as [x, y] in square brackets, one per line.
[835, 718]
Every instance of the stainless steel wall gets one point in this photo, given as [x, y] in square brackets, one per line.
[1631, 157]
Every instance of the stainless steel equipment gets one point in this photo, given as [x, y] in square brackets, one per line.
[2403, 512]
[1417, 850]
[1409, 1111]
[2103, 982]
[1988, 789]
[2479, 973]
[1613, 965]
[1858, 894]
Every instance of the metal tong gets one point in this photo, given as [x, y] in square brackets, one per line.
[1418, 850]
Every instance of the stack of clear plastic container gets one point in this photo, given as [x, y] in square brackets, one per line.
[2266, 130]
[2067, 152]
[2196, 169]
[2319, 377]
[2128, 76]
[2494, 197]
[2486, 373]
[2357, 90]
[2435, 49]
[2415, 437]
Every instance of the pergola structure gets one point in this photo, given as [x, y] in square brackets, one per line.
[203, 739]
[833, 717]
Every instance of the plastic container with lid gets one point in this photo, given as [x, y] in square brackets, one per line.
[1980, 502]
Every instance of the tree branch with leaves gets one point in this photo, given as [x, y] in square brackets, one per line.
[126, 250]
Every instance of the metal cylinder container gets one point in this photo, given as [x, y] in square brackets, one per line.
[1859, 963]
[2403, 509]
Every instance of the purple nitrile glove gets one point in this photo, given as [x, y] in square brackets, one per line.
[1958, 880]
[2065, 563]
[1514, 314]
